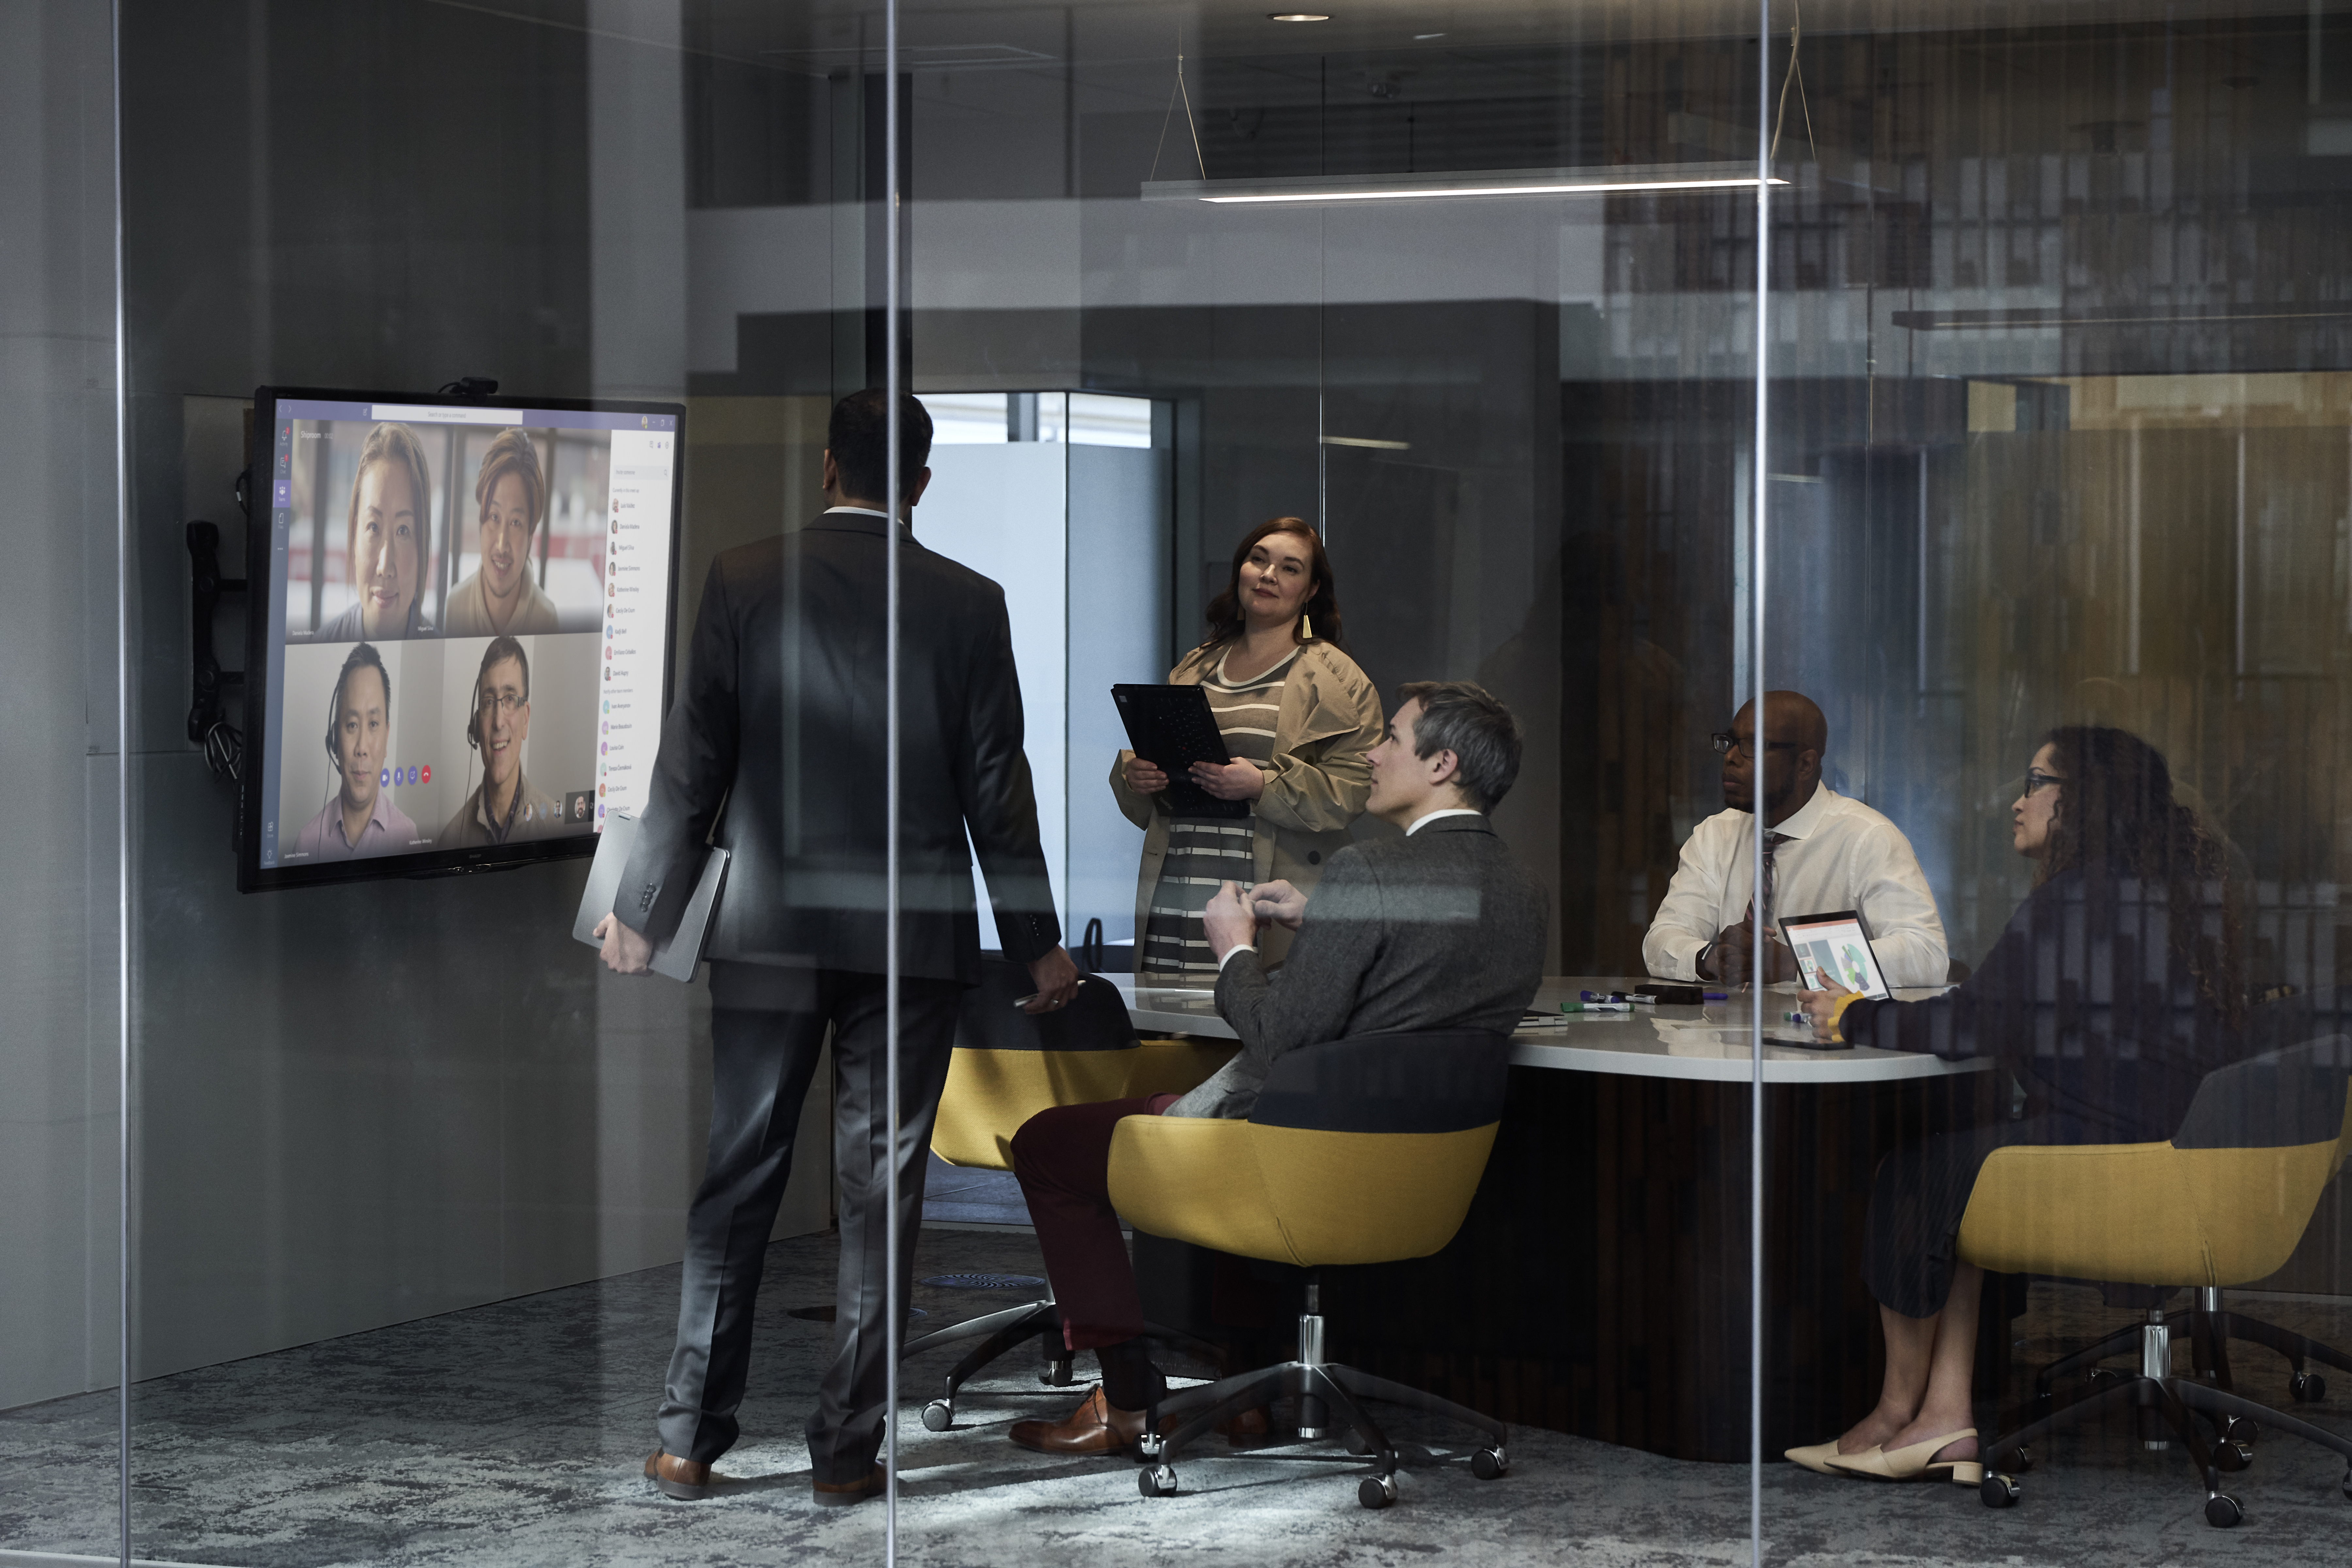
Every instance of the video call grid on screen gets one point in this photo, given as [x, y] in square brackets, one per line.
[518, 610]
[1837, 945]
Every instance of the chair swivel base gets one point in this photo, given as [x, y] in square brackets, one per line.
[1000, 1332]
[2171, 1400]
[1318, 1385]
[2212, 1326]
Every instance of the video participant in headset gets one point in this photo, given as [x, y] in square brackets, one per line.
[390, 518]
[359, 820]
[499, 598]
[504, 806]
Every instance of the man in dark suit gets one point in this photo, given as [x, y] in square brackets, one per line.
[781, 723]
[1440, 928]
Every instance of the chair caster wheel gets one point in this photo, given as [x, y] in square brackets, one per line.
[2232, 1456]
[1487, 1464]
[1151, 1444]
[2346, 1484]
[2101, 1376]
[2016, 1461]
[2238, 1429]
[1156, 1480]
[2221, 1510]
[1376, 1491]
[1997, 1490]
[2307, 1387]
[1056, 1374]
[939, 1415]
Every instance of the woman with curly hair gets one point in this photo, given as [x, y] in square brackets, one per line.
[2116, 989]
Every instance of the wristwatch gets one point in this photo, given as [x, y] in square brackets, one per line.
[1699, 964]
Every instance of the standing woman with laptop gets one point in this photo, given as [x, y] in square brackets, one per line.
[1296, 715]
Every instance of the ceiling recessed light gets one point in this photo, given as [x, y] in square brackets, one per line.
[1297, 16]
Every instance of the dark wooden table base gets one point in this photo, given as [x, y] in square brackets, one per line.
[1600, 1283]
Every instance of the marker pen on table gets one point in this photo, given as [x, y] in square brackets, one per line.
[1596, 1006]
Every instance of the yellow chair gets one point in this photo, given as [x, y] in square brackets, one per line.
[2223, 1203]
[1008, 1066]
[1363, 1150]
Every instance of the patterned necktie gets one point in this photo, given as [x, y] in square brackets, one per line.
[1768, 905]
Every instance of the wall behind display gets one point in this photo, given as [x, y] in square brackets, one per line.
[366, 1103]
[57, 926]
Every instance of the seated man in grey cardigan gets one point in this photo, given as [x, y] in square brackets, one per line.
[1439, 929]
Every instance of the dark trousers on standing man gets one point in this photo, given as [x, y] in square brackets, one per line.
[764, 1056]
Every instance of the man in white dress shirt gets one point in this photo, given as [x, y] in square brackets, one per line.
[1823, 852]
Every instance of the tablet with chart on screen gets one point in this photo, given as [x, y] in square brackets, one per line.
[1835, 948]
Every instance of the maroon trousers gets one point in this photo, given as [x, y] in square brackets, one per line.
[1063, 1158]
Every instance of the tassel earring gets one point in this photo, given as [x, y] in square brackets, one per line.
[1306, 630]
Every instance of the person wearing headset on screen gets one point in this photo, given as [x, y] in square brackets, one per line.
[504, 806]
[360, 819]
[390, 518]
[499, 598]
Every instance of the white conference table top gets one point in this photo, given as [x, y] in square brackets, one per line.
[1712, 1043]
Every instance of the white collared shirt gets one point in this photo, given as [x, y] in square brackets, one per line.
[860, 511]
[1834, 854]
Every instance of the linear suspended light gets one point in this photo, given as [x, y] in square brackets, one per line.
[1606, 180]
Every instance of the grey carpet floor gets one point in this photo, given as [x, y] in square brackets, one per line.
[512, 1435]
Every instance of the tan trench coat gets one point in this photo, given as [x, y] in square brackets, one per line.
[1316, 786]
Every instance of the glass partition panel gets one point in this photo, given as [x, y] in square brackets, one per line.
[2061, 455]
[1463, 305]
[413, 1172]
[60, 1146]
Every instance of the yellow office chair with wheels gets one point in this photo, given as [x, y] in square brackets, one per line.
[1008, 1066]
[2223, 1203]
[1363, 1150]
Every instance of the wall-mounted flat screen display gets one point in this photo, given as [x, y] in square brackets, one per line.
[459, 649]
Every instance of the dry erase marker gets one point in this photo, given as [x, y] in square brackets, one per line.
[1596, 1006]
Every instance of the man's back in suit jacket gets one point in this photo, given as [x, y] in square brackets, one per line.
[1440, 929]
[783, 706]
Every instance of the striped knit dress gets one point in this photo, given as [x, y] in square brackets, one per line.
[1204, 852]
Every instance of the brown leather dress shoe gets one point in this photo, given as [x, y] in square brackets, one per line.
[1093, 1427]
[1255, 1425]
[842, 1494]
[681, 1479]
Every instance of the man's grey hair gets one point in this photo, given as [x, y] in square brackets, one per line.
[1463, 718]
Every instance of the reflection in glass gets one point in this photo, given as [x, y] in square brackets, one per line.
[2060, 472]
